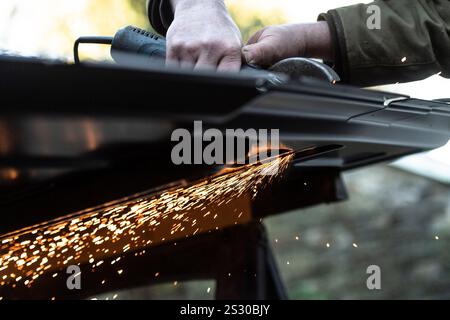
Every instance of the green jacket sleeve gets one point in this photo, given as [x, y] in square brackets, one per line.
[413, 41]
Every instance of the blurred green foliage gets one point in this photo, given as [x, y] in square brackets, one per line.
[106, 17]
[52, 32]
[250, 18]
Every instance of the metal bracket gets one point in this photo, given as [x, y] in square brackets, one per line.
[388, 102]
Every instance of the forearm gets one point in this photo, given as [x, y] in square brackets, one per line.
[317, 41]
[412, 44]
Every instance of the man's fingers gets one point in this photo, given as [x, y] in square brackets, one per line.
[202, 35]
[172, 63]
[230, 63]
[255, 37]
[213, 55]
[181, 55]
[187, 63]
[172, 56]
[262, 53]
[207, 60]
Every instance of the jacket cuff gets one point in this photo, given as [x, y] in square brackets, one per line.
[340, 63]
[160, 14]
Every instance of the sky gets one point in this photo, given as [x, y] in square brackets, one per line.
[48, 27]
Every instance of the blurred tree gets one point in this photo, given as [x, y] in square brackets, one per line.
[140, 8]
[251, 18]
[53, 31]
[106, 17]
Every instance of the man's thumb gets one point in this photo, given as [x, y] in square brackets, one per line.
[256, 53]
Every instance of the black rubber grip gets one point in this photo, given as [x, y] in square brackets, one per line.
[134, 40]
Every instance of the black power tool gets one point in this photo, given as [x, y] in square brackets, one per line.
[133, 40]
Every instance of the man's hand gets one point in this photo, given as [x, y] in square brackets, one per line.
[203, 35]
[272, 44]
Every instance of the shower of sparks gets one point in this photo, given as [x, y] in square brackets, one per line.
[89, 236]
